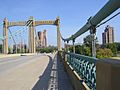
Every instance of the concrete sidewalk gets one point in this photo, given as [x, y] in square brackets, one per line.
[54, 77]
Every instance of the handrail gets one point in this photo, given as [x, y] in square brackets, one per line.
[85, 67]
[108, 9]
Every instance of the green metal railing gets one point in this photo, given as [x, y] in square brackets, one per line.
[85, 67]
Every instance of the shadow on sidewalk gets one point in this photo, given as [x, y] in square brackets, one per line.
[54, 77]
[42, 83]
[64, 82]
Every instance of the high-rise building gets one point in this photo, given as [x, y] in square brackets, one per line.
[108, 35]
[42, 39]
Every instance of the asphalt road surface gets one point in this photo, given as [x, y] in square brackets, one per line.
[10, 63]
[37, 72]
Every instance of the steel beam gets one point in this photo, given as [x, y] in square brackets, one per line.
[48, 22]
[20, 23]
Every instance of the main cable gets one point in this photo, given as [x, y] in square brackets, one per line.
[12, 36]
[107, 20]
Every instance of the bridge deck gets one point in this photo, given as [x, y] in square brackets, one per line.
[40, 73]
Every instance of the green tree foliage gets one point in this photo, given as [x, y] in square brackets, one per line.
[46, 49]
[112, 47]
[88, 41]
[0, 48]
[117, 46]
[79, 49]
[9, 50]
[104, 53]
[71, 49]
[87, 51]
[88, 44]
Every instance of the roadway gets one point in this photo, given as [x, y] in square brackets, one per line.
[21, 72]
[35, 72]
[10, 63]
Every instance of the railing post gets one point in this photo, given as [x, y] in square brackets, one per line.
[67, 47]
[73, 45]
[93, 33]
[65, 57]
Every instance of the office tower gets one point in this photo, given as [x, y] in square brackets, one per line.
[42, 39]
[108, 35]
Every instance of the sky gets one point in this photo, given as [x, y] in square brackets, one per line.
[73, 15]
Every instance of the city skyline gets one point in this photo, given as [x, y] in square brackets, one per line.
[72, 17]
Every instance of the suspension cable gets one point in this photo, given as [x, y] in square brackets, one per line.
[12, 38]
[99, 24]
[107, 20]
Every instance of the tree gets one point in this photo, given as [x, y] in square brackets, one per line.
[88, 43]
[87, 51]
[104, 53]
[9, 50]
[70, 48]
[0, 48]
[46, 49]
[79, 49]
[117, 46]
[112, 46]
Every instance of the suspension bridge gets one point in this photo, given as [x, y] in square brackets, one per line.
[60, 70]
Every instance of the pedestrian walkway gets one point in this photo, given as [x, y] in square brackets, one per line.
[54, 77]
[63, 79]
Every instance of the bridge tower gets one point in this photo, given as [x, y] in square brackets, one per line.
[31, 23]
[58, 34]
[5, 35]
[31, 38]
